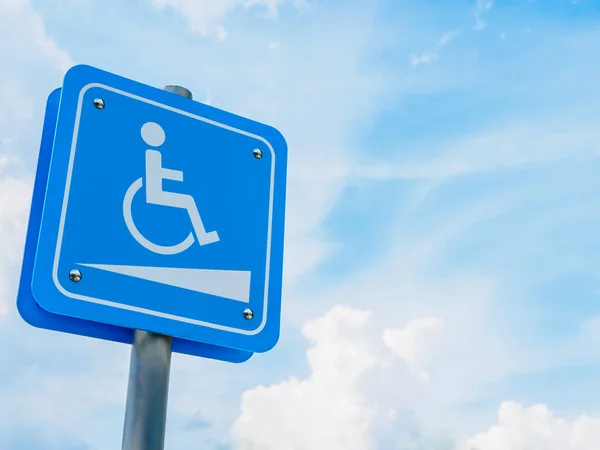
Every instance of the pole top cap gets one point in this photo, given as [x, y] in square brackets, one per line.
[178, 90]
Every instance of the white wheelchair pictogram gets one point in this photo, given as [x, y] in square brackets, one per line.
[154, 136]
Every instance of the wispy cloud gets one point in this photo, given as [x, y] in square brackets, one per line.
[205, 16]
[424, 58]
[429, 56]
[481, 8]
[536, 428]
[448, 36]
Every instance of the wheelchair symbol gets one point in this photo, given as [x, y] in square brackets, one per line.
[154, 136]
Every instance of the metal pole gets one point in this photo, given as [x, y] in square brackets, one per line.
[147, 392]
[148, 386]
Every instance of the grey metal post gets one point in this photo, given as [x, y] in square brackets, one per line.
[147, 392]
[148, 386]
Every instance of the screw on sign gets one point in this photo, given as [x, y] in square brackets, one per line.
[99, 103]
[75, 275]
[248, 314]
[196, 263]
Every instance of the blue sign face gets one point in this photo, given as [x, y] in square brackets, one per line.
[162, 214]
[35, 315]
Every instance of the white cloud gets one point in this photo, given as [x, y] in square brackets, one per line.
[15, 195]
[429, 56]
[337, 405]
[447, 37]
[205, 16]
[33, 64]
[27, 52]
[359, 396]
[21, 20]
[413, 343]
[424, 58]
[536, 428]
[326, 410]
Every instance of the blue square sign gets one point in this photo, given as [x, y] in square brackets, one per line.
[162, 214]
[36, 316]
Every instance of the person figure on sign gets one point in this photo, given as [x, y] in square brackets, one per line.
[154, 136]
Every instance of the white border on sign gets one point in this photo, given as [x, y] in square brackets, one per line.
[145, 310]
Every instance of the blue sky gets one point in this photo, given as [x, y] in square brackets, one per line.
[440, 273]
